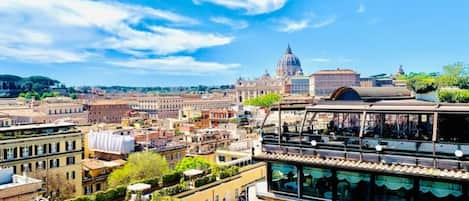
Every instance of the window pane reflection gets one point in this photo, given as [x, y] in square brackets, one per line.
[390, 188]
[353, 186]
[284, 178]
[317, 182]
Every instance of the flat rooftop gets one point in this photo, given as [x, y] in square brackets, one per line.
[36, 126]
[410, 105]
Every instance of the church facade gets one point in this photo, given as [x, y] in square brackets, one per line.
[287, 67]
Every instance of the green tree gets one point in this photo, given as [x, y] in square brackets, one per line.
[140, 165]
[264, 101]
[192, 163]
[452, 75]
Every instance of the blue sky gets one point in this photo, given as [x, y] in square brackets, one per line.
[191, 42]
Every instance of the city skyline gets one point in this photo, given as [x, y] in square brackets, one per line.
[211, 42]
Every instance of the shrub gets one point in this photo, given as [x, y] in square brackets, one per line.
[205, 180]
[173, 190]
[101, 196]
[154, 182]
[228, 172]
[446, 96]
[453, 96]
[171, 179]
[110, 194]
[83, 198]
[422, 85]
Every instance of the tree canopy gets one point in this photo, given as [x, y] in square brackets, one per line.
[192, 163]
[140, 165]
[454, 75]
[263, 101]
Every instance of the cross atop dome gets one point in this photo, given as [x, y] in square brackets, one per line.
[288, 51]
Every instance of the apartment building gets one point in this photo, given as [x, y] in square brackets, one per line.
[49, 152]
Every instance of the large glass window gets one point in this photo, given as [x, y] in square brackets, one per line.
[336, 124]
[317, 182]
[284, 178]
[393, 188]
[453, 128]
[353, 186]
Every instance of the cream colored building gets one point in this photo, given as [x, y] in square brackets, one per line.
[65, 108]
[206, 141]
[266, 84]
[49, 152]
[48, 110]
[288, 66]
[207, 103]
[229, 189]
[160, 106]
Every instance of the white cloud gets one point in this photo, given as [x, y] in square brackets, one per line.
[361, 8]
[252, 7]
[161, 40]
[320, 60]
[288, 25]
[324, 23]
[69, 30]
[42, 55]
[235, 24]
[175, 64]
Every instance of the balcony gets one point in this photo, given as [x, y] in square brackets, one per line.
[391, 151]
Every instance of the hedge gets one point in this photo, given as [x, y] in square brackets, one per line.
[173, 190]
[205, 180]
[154, 182]
[453, 96]
[110, 194]
[228, 172]
[171, 179]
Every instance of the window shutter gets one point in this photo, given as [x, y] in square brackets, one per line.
[30, 151]
[35, 149]
[74, 145]
[21, 154]
[58, 146]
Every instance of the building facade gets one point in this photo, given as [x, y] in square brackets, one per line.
[298, 86]
[324, 82]
[161, 106]
[206, 141]
[288, 66]
[355, 151]
[61, 108]
[207, 103]
[107, 111]
[95, 173]
[246, 89]
[49, 152]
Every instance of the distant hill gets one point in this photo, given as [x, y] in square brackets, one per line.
[12, 86]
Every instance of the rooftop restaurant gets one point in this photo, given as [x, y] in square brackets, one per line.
[367, 144]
